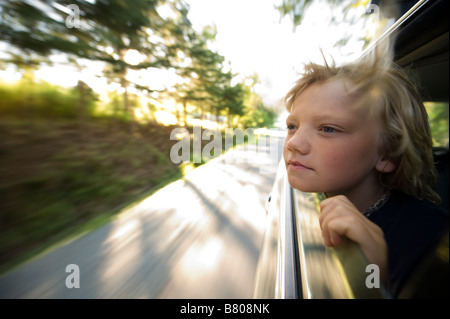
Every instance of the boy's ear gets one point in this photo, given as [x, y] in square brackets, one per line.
[384, 165]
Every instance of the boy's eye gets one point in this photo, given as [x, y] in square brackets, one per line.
[329, 129]
[291, 127]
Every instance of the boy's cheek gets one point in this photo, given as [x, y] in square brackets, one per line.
[285, 151]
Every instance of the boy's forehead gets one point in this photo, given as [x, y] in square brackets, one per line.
[332, 92]
[331, 98]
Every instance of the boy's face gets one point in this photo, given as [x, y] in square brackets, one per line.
[331, 144]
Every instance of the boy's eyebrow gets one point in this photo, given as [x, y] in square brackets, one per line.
[290, 118]
[324, 117]
[319, 116]
[333, 118]
[316, 117]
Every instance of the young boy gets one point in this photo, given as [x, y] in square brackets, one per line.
[359, 133]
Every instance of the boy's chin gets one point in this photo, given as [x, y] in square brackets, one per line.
[303, 188]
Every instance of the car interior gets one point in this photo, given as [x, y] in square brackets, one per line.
[422, 44]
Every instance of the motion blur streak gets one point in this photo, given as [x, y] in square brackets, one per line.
[199, 237]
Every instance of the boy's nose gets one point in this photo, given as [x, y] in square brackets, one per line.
[299, 142]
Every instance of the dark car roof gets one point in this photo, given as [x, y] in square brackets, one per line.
[422, 45]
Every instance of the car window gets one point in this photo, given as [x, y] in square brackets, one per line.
[420, 30]
[421, 47]
[438, 117]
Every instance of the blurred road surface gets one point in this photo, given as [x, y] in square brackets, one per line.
[199, 237]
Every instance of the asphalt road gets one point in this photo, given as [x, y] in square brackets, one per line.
[199, 237]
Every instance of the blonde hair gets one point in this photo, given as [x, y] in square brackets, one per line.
[405, 137]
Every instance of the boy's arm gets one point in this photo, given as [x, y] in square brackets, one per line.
[340, 218]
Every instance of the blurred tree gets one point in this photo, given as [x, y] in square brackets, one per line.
[158, 31]
[255, 113]
[191, 54]
[37, 27]
[297, 9]
[102, 30]
[205, 83]
[232, 100]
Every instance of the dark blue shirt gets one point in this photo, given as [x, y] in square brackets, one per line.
[411, 228]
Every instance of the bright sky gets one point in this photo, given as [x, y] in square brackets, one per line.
[254, 38]
[251, 36]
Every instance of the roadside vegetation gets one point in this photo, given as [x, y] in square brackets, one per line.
[65, 171]
[71, 158]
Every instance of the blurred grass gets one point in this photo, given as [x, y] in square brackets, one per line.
[60, 178]
[66, 169]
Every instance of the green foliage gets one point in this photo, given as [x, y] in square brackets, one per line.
[29, 99]
[295, 9]
[209, 84]
[258, 116]
[345, 9]
[438, 116]
[232, 99]
[255, 113]
[107, 30]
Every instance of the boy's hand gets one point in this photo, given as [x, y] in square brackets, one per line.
[340, 218]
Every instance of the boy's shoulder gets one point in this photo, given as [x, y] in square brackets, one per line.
[409, 205]
[406, 206]
[406, 215]
[412, 227]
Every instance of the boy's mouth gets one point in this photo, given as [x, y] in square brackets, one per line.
[297, 165]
